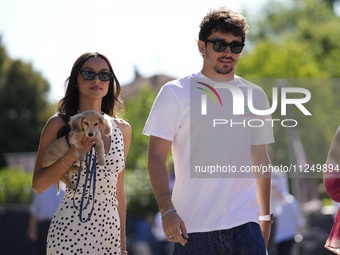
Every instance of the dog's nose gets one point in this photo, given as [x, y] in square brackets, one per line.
[90, 134]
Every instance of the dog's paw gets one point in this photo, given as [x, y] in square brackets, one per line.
[101, 161]
[81, 157]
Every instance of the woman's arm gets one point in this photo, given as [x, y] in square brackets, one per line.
[125, 128]
[331, 175]
[44, 178]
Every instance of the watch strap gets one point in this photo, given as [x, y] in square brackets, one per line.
[269, 217]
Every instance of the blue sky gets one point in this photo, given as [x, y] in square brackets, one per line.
[155, 36]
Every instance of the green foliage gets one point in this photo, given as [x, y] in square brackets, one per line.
[299, 39]
[283, 58]
[306, 30]
[23, 105]
[316, 131]
[137, 112]
[139, 194]
[15, 186]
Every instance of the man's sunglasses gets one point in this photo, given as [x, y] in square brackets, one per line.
[89, 75]
[220, 46]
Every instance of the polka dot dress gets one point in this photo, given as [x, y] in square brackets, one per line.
[101, 233]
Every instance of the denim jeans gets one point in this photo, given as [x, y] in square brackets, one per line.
[246, 239]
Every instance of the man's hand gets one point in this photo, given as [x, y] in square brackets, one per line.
[174, 226]
[265, 228]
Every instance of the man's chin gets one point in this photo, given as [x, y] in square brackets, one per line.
[223, 71]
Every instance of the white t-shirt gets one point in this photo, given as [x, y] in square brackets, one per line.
[208, 204]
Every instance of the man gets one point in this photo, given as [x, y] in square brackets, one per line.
[211, 215]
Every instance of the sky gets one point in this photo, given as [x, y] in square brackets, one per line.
[152, 36]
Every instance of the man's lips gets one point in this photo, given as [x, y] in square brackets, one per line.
[226, 60]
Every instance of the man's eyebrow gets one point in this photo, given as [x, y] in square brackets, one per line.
[223, 40]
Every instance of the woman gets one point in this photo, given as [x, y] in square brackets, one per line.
[331, 176]
[92, 85]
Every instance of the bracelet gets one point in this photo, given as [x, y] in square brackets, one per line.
[64, 162]
[163, 195]
[123, 251]
[171, 210]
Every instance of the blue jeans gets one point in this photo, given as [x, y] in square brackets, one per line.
[246, 239]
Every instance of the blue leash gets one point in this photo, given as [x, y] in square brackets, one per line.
[93, 172]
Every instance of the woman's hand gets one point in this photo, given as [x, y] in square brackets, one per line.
[88, 143]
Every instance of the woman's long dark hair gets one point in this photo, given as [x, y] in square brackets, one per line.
[68, 106]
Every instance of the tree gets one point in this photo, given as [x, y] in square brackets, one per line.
[310, 25]
[137, 112]
[139, 194]
[299, 39]
[23, 105]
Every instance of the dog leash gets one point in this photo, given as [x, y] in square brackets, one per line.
[68, 142]
[93, 172]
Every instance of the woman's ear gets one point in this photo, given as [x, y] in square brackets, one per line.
[75, 123]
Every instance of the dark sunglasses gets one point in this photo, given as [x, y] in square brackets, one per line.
[220, 46]
[89, 75]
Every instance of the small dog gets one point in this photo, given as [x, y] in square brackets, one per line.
[85, 123]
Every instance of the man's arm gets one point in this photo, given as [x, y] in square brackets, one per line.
[173, 225]
[259, 157]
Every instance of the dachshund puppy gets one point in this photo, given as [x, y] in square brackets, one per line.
[87, 123]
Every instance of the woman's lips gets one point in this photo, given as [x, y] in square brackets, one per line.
[96, 88]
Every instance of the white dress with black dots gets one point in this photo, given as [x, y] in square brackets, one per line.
[100, 235]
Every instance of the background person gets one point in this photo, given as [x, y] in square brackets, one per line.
[288, 220]
[42, 210]
[144, 237]
[332, 186]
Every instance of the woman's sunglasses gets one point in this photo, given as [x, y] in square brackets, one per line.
[220, 46]
[89, 75]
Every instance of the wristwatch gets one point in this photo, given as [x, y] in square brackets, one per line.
[269, 217]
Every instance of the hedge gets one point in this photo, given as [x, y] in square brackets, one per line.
[15, 186]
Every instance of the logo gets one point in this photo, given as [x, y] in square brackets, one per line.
[204, 97]
[239, 100]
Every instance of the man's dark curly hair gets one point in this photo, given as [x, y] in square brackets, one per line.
[223, 20]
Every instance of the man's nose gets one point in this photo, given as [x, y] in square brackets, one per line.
[227, 50]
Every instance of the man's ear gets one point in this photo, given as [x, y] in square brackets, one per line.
[201, 47]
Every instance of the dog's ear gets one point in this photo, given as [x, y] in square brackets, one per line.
[106, 126]
[75, 123]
